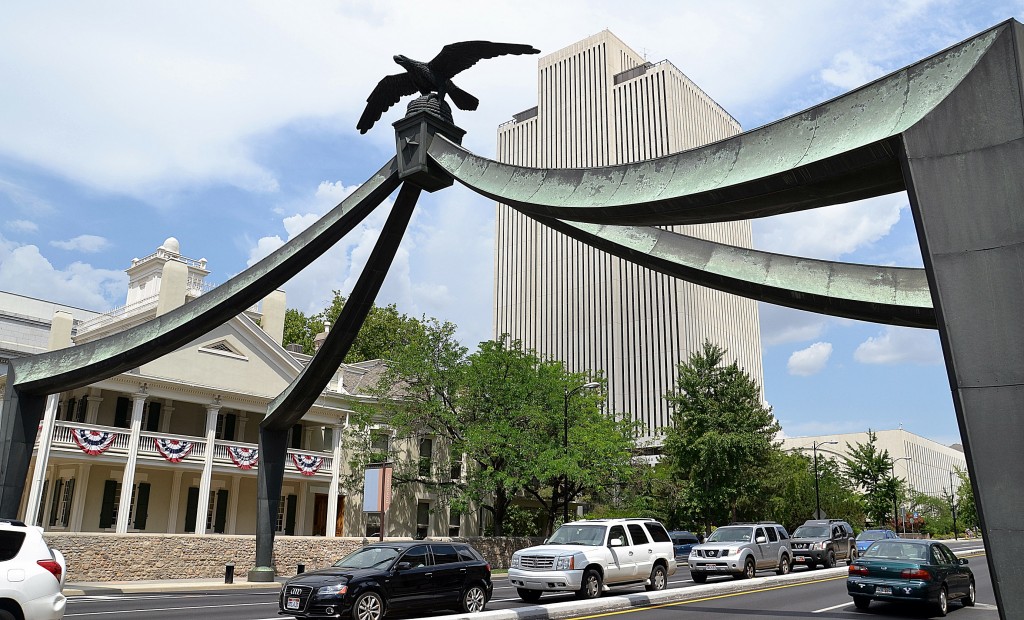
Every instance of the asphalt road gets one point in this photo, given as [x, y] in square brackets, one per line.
[824, 598]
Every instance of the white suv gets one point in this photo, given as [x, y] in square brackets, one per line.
[586, 557]
[31, 574]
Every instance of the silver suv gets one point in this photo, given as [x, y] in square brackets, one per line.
[740, 550]
[588, 556]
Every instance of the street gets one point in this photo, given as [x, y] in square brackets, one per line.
[824, 598]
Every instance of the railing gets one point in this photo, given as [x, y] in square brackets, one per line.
[121, 312]
[63, 439]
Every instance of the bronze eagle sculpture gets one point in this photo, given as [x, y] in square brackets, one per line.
[434, 77]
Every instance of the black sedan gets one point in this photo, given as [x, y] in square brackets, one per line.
[380, 577]
[905, 570]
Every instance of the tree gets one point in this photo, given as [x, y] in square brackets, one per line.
[721, 433]
[966, 511]
[298, 329]
[871, 471]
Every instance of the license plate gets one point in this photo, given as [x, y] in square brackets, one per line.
[798, 558]
[711, 568]
[293, 603]
[883, 590]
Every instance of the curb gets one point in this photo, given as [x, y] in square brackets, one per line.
[92, 589]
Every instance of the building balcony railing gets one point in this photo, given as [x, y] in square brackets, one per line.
[120, 440]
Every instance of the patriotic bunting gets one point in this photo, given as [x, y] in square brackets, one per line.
[92, 442]
[174, 450]
[306, 464]
[244, 458]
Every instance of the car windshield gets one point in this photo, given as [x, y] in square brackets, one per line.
[589, 535]
[369, 557]
[871, 535]
[811, 531]
[897, 550]
[731, 534]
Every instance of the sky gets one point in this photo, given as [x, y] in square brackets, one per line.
[231, 126]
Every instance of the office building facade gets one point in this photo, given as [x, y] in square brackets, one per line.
[599, 104]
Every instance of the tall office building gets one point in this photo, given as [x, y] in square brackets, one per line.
[599, 104]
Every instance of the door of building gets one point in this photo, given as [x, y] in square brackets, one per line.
[320, 515]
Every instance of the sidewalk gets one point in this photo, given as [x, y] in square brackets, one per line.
[97, 588]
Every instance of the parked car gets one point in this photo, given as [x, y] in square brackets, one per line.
[920, 571]
[682, 543]
[385, 576]
[588, 556]
[31, 574]
[865, 538]
[740, 549]
[823, 541]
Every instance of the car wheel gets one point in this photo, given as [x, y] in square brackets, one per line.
[530, 596]
[850, 557]
[698, 576]
[942, 606]
[749, 570]
[473, 599]
[591, 587]
[968, 600]
[861, 602]
[6, 615]
[658, 579]
[830, 559]
[369, 606]
[783, 568]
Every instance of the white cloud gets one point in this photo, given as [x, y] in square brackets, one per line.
[22, 225]
[780, 325]
[25, 271]
[811, 360]
[830, 232]
[850, 70]
[901, 345]
[83, 243]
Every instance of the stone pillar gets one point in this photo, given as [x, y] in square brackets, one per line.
[204, 483]
[128, 478]
[333, 489]
[32, 508]
[172, 518]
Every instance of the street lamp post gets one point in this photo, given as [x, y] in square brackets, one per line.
[565, 442]
[892, 468]
[952, 504]
[817, 495]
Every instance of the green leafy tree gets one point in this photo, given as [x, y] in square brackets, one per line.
[870, 470]
[721, 433]
[299, 329]
[966, 510]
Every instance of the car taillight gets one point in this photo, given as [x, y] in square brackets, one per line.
[488, 567]
[856, 569]
[53, 566]
[916, 573]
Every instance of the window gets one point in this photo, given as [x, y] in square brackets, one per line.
[296, 437]
[466, 554]
[636, 532]
[617, 533]
[60, 503]
[783, 534]
[426, 456]
[658, 533]
[417, 556]
[226, 426]
[454, 523]
[456, 471]
[422, 520]
[380, 446]
[759, 533]
[372, 524]
[444, 554]
[773, 535]
[286, 510]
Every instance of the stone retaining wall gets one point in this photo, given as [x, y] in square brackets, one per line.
[133, 557]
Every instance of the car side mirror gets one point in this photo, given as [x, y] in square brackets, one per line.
[760, 540]
[615, 542]
[404, 565]
[963, 560]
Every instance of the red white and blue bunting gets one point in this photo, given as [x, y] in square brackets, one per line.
[174, 450]
[244, 458]
[92, 442]
[307, 464]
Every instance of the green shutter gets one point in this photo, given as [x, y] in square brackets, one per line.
[122, 412]
[153, 421]
[80, 414]
[229, 427]
[142, 508]
[289, 522]
[42, 503]
[70, 492]
[297, 437]
[191, 505]
[220, 517]
[55, 500]
[107, 507]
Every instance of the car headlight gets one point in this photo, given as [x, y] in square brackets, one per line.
[566, 562]
[823, 545]
[335, 590]
[515, 561]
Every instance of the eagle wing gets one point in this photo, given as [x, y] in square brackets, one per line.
[456, 57]
[386, 94]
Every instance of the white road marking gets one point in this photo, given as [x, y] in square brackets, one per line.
[818, 611]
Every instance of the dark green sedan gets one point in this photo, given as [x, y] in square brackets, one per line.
[912, 571]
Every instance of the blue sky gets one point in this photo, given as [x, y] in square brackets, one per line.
[231, 126]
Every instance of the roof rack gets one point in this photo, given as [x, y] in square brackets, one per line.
[754, 523]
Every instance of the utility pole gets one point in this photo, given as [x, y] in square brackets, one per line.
[952, 504]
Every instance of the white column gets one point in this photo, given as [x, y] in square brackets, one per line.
[204, 483]
[165, 415]
[33, 509]
[172, 518]
[128, 478]
[233, 505]
[78, 502]
[92, 407]
[241, 418]
[332, 490]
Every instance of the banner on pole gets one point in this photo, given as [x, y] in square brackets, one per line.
[377, 488]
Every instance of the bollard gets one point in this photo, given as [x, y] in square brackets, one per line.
[229, 572]
[300, 569]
